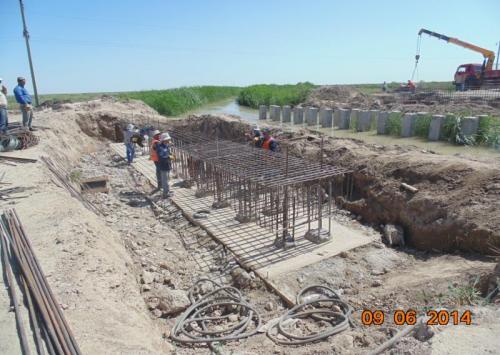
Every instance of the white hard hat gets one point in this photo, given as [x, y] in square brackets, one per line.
[130, 127]
[155, 132]
[165, 137]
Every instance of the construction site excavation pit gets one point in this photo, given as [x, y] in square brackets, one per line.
[203, 282]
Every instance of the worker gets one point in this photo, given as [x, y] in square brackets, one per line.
[23, 98]
[4, 120]
[153, 154]
[384, 87]
[257, 137]
[128, 139]
[411, 86]
[163, 149]
[269, 142]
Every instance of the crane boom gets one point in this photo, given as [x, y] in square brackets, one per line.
[487, 54]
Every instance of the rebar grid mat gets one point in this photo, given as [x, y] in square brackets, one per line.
[274, 190]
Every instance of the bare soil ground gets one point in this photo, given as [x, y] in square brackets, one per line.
[114, 273]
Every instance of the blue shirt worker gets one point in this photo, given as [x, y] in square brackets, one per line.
[23, 98]
[164, 162]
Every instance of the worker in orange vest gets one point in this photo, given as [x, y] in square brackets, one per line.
[153, 155]
[411, 86]
[269, 142]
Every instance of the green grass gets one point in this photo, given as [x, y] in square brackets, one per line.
[173, 102]
[255, 95]
[393, 126]
[422, 125]
[353, 121]
[170, 102]
[489, 131]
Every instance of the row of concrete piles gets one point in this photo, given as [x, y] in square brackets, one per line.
[362, 120]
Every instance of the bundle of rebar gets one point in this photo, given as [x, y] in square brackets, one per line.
[63, 179]
[17, 139]
[217, 313]
[51, 331]
[316, 304]
[6, 193]
[274, 189]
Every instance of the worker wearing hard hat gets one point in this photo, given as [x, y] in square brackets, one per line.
[269, 143]
[153, 155]
[128, 139]
[164, 151]
[257, 137]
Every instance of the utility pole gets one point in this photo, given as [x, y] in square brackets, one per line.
[27, 39]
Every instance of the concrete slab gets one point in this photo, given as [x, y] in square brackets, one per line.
[311, 116]
[408, 125]
[326, 118]
[373, 119]
[354, 118]
[286, 114]
[275, 113]
[470, 125]
[336, 117]
[364, 121]
[262, 112]
[344, 119]
[298, 115]
[382, 118]
[435, 127]
[253, 245]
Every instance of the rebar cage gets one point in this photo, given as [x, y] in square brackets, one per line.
[273, 189]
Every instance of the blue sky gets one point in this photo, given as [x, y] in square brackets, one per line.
[124, 45]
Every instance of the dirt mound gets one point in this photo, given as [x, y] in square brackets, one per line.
[456, 206]
[340, 97]
[337, 96]
[223, 127]
[106, 117]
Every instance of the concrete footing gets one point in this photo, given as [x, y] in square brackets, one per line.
[298, 115]
[275, 113]
[262, 112]
[286, 114]
[435, 127]
[311, 116]
[336, 117]
[470, 125]
[344, 119]
[318, 236]
[374, 116]
[382, 118]
[364, 121]
[408, 125]
[354, 118]
[326, 118]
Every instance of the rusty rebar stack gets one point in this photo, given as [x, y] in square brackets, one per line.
[50, 328]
